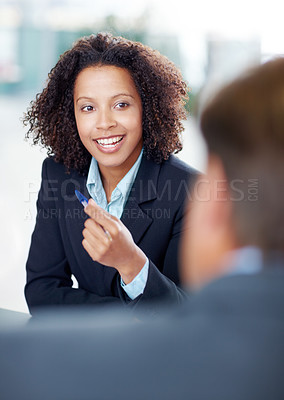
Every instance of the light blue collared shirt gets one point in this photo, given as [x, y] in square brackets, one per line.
[115, 207]
[246, 260]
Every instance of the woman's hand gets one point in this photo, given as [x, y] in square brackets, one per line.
[109, 242]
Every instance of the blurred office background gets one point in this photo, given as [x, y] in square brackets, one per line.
[211, 42]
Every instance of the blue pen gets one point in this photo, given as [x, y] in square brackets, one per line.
[83, 200]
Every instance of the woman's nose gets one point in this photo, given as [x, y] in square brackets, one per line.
[105, 119]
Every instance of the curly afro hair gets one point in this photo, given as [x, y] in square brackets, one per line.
[159, 83]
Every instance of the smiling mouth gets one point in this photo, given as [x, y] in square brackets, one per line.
[109, 142]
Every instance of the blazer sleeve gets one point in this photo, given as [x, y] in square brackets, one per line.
[162, 286]
[165, 283]
[161, 291]
[48, 272]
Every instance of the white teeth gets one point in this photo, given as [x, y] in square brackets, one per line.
[109, 141]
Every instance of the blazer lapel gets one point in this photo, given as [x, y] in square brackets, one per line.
[74, 211]
[143, 190]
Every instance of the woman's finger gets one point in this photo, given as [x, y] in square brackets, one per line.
[97, 252]
[93, 226]
[95, 235]
[101, 216]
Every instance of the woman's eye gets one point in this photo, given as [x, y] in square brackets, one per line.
[122, 105]
[87, 108]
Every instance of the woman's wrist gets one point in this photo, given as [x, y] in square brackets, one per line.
[129, 270]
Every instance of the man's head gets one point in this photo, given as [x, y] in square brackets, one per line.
[240, 200]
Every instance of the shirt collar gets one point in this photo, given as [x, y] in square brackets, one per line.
[245, 260]
[94, 183]
[124, 186]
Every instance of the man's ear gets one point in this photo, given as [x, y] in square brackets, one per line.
[219, 210]
[208, 234]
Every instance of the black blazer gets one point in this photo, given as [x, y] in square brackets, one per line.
[153, 214]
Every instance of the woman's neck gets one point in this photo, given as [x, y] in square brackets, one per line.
[111, 176]
[110, 179]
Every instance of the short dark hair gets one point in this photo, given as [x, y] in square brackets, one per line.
[244, 126]
[158, 81]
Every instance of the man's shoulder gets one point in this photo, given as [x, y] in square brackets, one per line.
[243, 295]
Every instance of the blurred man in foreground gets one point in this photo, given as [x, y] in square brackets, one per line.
[227, 342]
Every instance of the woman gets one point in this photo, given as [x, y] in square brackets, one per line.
[110, 117]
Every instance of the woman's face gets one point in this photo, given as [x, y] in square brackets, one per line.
[108, 112]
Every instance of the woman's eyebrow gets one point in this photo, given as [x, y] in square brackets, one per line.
[122, 94]
[84, 98]
[112, 97]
